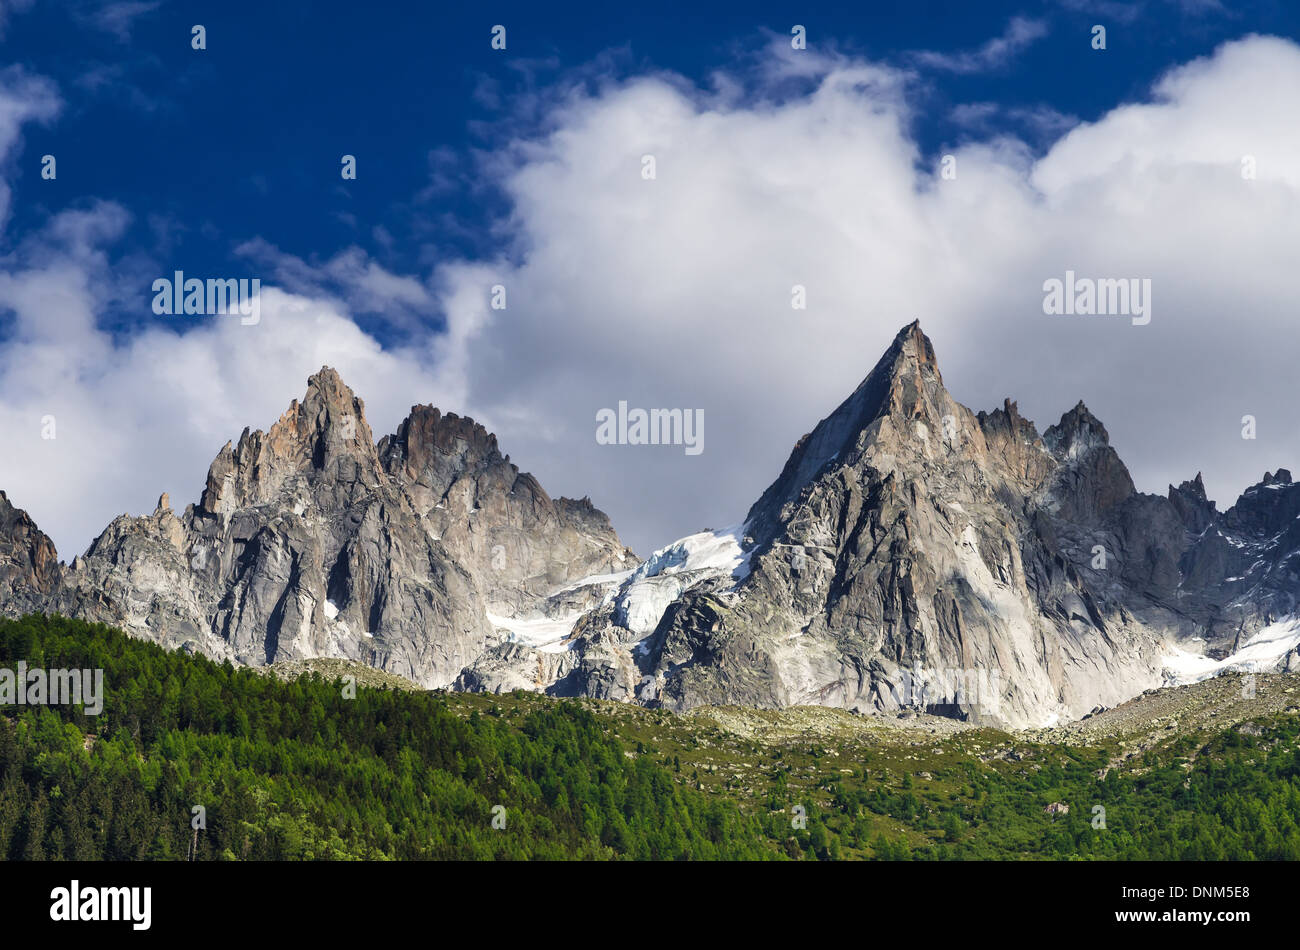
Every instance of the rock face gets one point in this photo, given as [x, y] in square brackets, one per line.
[309, 540]
[29, 565]
[518, 543]
[911, 554]
[915, 553]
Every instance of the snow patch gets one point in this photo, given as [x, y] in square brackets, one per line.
[1259, 654]
[541, 633]
[667, 573]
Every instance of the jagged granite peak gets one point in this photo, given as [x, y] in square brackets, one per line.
[432, 448]
[918, 547]
[1245, 565]
[905, 536]
[1077, 432]
[1091, 481]
[896, 386]
[324, 437]
[309, 540]
[29, 563]
[908, 535]
[500, 523]
[1192, 504]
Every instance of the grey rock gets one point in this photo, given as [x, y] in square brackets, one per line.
[311, 541]
[29, 565]
[912, 556]
[915, 555]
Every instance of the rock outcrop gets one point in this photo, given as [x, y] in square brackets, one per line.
[29, 564]
[518, 543]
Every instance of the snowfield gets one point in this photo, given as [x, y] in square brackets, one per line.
[667, 573]
[541, 633]
[1259, 654]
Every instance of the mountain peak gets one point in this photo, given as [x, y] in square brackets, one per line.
[330, 420]
[433, 448]
[1192, 504]
[1077, 432]
[29, 564]
[902, 383]
[327, 384]
[1194, 488]
[909, 353]
[325, 434]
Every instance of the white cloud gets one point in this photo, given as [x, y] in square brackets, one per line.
[23, 98]
[676, 292]
[1020, 33]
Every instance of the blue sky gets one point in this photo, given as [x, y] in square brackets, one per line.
[471, 163]
[210, 149]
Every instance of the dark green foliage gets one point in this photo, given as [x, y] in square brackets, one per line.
[297, 771]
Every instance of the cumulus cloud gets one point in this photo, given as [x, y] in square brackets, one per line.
[675, 292]
[349, 280]
[134, 418]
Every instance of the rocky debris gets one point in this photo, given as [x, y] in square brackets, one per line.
[1207, 707]
[1057, 808]
[329, 668]
[821, 723]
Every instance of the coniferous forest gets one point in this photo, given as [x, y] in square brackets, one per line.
[311, 770]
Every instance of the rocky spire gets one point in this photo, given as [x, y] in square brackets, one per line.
[1194, 509]
[498, 522]
[431, 450]
[324, 437]
[905, 384]
[1077, 432]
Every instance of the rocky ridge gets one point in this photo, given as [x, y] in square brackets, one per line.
[911, 556]
[311, 540]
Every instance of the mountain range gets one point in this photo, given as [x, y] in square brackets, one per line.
[911, 554]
